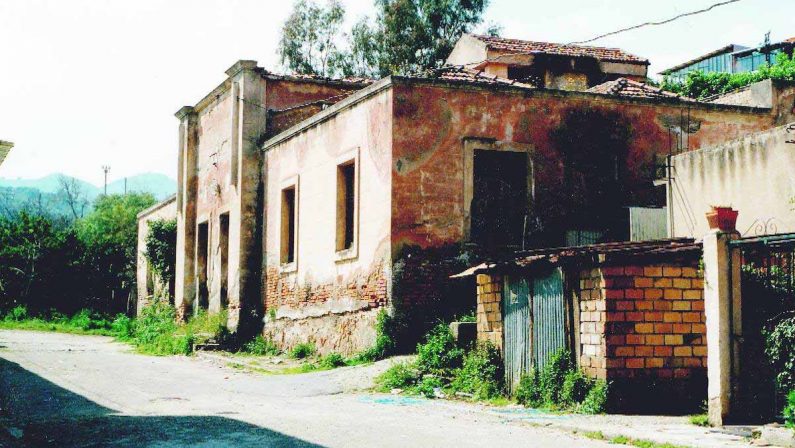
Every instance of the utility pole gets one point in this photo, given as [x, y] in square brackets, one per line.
[106, 169]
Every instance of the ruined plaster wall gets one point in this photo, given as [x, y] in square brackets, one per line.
[324, 298]
[753, 175]
[286, 93]
[489, 308]
[432, 121]
[148, 284]
[281, 120]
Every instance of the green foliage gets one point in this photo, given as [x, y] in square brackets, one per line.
[303, 350]
[259, 346]
[406, 36]
[562, 385]
[109, 235]
[385, 330]
[38, 265]
[780, 349]
[481, 373]
[310, 37]
[331, 361]
[575, 388]
[789, 410]
[699, 420]
[553, 375]
[18, 313]
[428, 385]
[701, 85]
[529, 392]
[401, 375]
[161, 248]
[123, 327]
[469, 317]
[439, 354]
[596, 400]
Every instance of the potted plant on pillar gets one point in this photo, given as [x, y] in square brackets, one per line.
[723, 218]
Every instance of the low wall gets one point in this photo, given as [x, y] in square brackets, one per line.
[489, 308]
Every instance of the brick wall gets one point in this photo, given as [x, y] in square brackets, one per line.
[643, 328]
[489, 309]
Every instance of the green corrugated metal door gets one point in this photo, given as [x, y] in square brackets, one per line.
[548, 316]
[516, 329]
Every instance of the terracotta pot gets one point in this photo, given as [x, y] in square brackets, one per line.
[723, 218]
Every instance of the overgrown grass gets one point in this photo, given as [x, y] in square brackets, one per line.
[82, 322]
[699, 420]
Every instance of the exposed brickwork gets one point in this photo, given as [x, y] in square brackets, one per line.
[489, 311]
[593, 344]
[643, 321]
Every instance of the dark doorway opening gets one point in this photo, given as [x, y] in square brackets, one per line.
[499, 198]
[202, 246]
[223, 244]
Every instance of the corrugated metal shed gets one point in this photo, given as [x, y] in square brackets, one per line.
[646, 223]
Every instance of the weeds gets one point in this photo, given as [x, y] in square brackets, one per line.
[303, 351]
[699, 420]
[259, 346]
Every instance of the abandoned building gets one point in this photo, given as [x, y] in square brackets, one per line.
[149, 285]
[305, 206]
[545, 64]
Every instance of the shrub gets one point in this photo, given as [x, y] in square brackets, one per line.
[303, 350]
[596, 400]
[789, 410]
[260, 346]
[439, 354]
[18, 313]
[123, 327]
[481, 373]
[428, 385]
[553, 375]
[400, 375]
[155, 321]
[575, 388]
[331, 361]
[529, 392]
[780, 349]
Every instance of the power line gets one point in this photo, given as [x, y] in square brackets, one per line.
[662, 22]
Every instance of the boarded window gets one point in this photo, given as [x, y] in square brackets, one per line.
[346, 205]
[499, 197]
[288, 229]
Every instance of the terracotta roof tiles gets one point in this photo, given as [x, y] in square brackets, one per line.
[525, 46]
[629, 88]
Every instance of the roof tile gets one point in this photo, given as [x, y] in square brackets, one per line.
[525, 46]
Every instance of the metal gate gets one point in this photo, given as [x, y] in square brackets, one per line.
[767, 292]
[533, 323]
[549, 325]
[516, 329]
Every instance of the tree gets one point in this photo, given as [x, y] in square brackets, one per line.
[406, 36]
[73, 194]
[110, 235]
[310, 36]
[418, 35]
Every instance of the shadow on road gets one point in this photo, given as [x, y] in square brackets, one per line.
[35, 412]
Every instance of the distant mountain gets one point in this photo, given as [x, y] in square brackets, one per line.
[159, 185]
[42, 195]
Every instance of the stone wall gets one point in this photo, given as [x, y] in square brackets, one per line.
[593, 315]
[489, 308]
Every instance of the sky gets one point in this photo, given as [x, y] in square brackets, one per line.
[86, 83]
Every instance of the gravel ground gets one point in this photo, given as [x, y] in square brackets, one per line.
[64, 390]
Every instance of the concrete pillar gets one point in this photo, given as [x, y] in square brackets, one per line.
[723, 313]
[185, 281]
[245, 215]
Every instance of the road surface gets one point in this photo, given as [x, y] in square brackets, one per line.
[64, 390]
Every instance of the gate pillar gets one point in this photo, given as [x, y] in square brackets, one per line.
[722, 306]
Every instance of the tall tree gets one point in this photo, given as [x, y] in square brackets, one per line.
[310, 37]
[417, 35]
[73, 194]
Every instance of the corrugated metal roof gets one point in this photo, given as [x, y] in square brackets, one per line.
[591, 255]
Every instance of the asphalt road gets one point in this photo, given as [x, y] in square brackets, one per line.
[63, 390]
